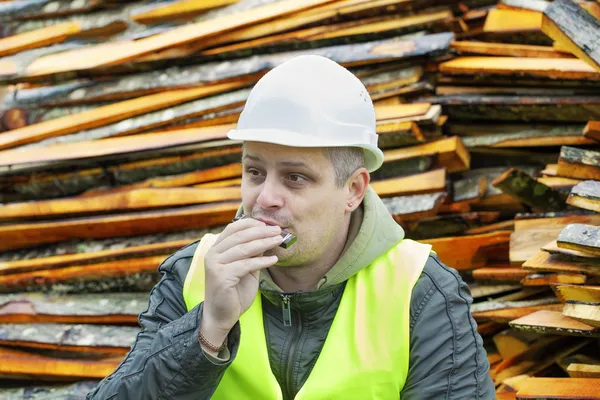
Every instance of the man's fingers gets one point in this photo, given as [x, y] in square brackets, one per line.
[247, 235]
[237, 226]
[242, 268]
[248, 250]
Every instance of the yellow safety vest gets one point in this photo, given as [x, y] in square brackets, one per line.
[366, 353]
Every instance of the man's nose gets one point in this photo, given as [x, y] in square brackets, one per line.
[270, 195]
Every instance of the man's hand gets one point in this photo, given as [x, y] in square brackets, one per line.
[232, 269]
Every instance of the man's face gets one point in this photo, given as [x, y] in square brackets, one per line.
[295, 189]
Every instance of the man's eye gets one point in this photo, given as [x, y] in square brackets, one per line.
[296, 178]
[253, 172]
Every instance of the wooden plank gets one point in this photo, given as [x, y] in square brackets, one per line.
[580, 237]
[511, 342]
[351, 30]
[509, 314]
[17, 364]
[81, 338]
[101, 116]
[123, 275]
[499, 20]
[122, 201]
[578, 163]
[427, 182]
[414, 207]
[557, 182]
[38, 38]
[543, 354]
[507, 49]
[573, 27]
[116, 308]
[524, 244]
[66, 260]
[450, 154]
[559, 388]
[548, 279]
[497, 226]
[114, 146]
[466, 252]
[542, 261]
[568, 254]
[552, 68]
[556, 221]
[33, 234]
[129, 50]
[50, 184]
[499, 304]
[529, 138]
[550, 170]
[445, 225]
[555, 323]
[531, 192]
[226, 183]
[23, 10]
[166, 119]
[479, 290]
[500, 274]
[208, 175]
[583, 312]
[592, 130]
[177, 10]
[585, 195]
[472, 188]
[578, 293]
[584, 371]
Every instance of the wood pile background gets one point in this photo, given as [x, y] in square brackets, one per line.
[113, 155]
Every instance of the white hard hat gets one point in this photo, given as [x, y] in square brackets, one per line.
[311, 101]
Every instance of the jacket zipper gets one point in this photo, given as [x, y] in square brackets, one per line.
[289, 361]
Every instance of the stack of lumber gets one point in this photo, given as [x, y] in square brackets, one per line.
[113, 155]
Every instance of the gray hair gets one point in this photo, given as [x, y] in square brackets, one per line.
[345, 160]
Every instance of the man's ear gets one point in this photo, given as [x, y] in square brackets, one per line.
[357, 188]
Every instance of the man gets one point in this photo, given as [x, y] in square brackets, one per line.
[351, 310]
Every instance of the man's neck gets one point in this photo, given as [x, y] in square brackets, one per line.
[306, 277]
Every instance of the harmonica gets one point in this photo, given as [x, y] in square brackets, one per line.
[288, 238]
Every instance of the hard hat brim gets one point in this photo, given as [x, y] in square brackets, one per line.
[373, 155]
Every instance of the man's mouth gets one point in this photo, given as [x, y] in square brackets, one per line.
[270, 222]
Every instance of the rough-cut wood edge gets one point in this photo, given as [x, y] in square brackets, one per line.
[585, 195]
[554, 322]
[567, 254]
[113, 308]
[573, 27]
[580, 237]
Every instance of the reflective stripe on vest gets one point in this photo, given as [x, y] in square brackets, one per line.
[366, 353]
